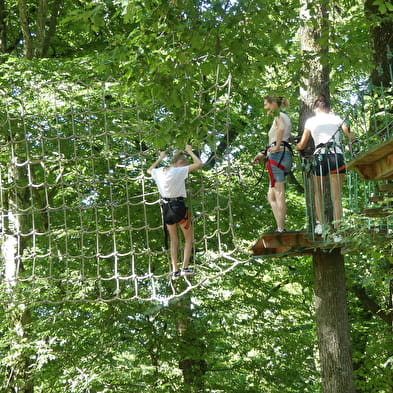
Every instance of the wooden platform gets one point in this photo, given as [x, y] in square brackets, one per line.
[273, 244]
[377, 212]
[375, 164]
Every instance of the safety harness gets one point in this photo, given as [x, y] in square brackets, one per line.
[270, 162]
[185, 219]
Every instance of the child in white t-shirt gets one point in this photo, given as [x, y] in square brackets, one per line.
[171, 186]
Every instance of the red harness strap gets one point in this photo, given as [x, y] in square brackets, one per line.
[338, 170]
[186, 220]
[269, 163]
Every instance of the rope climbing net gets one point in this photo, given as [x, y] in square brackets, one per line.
[80, 219]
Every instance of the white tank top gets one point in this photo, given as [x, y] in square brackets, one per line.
[287, 128]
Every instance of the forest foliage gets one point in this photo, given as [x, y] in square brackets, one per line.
[195, 71]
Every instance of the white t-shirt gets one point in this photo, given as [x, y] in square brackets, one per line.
[287, 128]
[171, 181]
[323, 126]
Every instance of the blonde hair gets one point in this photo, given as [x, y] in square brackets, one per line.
[179, 156]
[279, 100]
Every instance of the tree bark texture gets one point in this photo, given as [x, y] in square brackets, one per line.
[3, 27]
[19, 368]
[38, 29]
[41, 26]
[381, 36]
[191, 348]
[314, 46]
[24, 24]
[332, 322]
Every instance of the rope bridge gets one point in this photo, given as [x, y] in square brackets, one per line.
[80, 219]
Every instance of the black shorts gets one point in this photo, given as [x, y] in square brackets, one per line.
[328, 163]
[174, 211]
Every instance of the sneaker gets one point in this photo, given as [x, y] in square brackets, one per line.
[318, 228]
[337, 239]
[187, 271]
[176, 275]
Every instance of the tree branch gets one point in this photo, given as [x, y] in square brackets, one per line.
[52, 25]
[3, 27]
[41, 24]
[370, 305]
[24, 23]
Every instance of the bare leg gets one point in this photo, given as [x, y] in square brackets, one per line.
[336, 183]
[172, 230]
[319, 182]
[188, 237]
[276, 198]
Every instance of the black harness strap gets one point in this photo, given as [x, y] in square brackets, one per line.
[165, 229]
[286, 145]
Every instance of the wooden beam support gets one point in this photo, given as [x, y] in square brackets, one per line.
[385, 187]
[375, 164]
[288, 243]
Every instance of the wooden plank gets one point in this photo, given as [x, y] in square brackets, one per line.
[385, 187]
[376, 212]
[374, 153]
[288, 243]
[376, 198]
[274, 253]
[269, 252]
[381, 169]
[284, 239]
[375, 164]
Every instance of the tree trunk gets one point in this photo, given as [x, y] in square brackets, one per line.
[191, 348]
[19, 367]
[3, 27]
[41, 25]
[24, 24]
[332, 322]
[381, 37]
[381, 42]
[36, 42]
[331, 311]
[52, 26]
[314, 47]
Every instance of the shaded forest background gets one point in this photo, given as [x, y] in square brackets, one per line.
[252, 329]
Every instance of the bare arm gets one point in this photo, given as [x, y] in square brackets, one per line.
[154, 165]
[258, 157]
[197, 163]
[348, 133]
[274, 149]
[303, 142]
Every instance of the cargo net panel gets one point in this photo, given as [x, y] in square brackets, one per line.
[80, 219]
